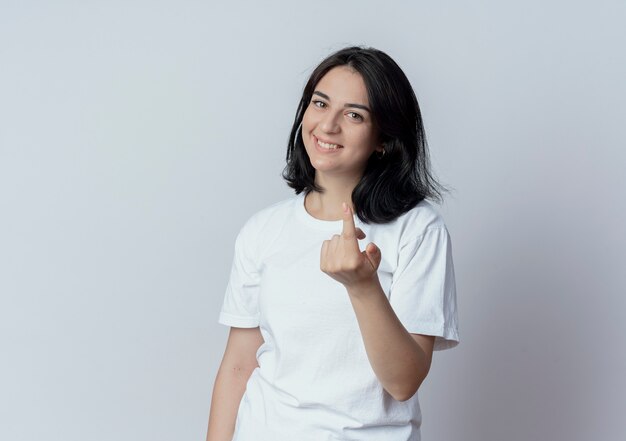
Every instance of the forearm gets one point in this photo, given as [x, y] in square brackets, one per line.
[397, 360]
[230, 384]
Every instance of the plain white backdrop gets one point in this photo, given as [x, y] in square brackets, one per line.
[136, 137]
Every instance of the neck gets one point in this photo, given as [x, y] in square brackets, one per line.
[327, 205]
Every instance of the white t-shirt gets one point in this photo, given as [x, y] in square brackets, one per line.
[314, 380]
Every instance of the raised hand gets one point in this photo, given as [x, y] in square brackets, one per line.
[342, 259]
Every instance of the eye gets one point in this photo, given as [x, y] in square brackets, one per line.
[357, 115]
[316, 102]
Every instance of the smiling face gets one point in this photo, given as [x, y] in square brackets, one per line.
[338, 114]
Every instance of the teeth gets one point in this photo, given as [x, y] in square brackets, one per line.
[327, 146]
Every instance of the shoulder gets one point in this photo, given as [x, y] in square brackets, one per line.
[425, 216]
[423, 220]
[410, 227]
[268, 217]
[260, 228]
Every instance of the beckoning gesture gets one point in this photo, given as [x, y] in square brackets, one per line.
[342, 259]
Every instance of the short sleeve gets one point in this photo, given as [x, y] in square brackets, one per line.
[423, 288]
[240, 306]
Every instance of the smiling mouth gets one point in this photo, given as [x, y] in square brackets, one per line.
[326, 146]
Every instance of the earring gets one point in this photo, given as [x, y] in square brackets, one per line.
[379, 156]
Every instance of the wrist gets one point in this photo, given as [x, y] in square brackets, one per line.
[365, 288]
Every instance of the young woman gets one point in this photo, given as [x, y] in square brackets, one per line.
[328, 341]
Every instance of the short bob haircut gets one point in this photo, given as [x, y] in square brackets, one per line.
[397, 182]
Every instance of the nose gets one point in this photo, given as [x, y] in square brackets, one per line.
[329, 123]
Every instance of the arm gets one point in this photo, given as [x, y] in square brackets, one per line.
[399, 359]
[238, 362]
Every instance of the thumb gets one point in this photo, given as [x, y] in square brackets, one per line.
[373, 254]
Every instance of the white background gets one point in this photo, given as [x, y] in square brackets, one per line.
[137, 137]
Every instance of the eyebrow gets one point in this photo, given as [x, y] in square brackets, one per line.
[358, 106]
